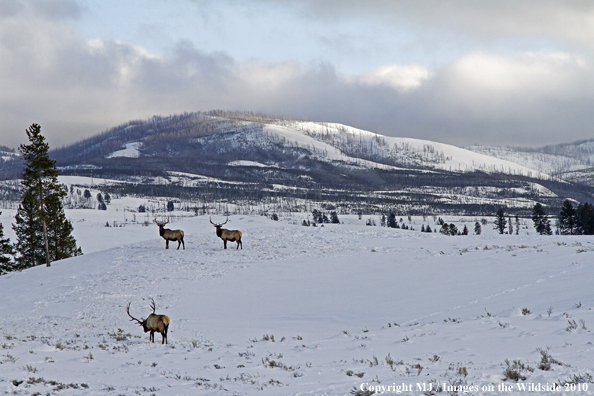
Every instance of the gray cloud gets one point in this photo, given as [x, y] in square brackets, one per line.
[76, 88]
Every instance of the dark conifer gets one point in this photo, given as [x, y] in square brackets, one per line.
[567, 218]
[6, 253]
[542, 224]
[585, 219]
[500, 221]
[42, 230]
[334, 218]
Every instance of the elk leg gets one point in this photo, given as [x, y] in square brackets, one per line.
[225, 243]
[166, 243]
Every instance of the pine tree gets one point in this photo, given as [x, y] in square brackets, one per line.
[6, 253]
[391, 222]
[585, 219]
[477, 228]
[567, 218]
[500, 221]
[42, 230]
[542, 224]
[334, 218]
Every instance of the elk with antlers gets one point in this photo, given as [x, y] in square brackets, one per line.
[228, 235]
[154, 322]
[170, 235]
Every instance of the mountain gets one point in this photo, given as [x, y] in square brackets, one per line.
[243, 156]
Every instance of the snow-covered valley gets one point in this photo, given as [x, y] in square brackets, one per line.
[299, 310]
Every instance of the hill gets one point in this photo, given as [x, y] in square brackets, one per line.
[245, 158]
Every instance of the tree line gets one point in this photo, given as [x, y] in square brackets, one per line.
[570, 220]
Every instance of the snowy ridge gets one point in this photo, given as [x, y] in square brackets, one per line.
[416, 151]
[554, 160]
[340, 143]
[299, 310]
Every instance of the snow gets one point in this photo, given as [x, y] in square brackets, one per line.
[249, 163]
[456, 159]
[130, 150]
[331, 153]
[298, 311]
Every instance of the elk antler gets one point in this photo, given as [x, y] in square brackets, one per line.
[153, 306]
[159, 223]
[133, 318]
[218, 225]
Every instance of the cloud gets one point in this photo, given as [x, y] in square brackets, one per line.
[76, 88]
[570, 21]
[400, 77]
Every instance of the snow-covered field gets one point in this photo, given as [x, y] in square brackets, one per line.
[299, 311]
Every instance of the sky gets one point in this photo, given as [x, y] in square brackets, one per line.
[509, 73]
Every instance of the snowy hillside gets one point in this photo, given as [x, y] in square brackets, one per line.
[299, 310]
[552, 160]
[411, 152]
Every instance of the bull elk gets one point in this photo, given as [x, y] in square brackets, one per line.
[154, 322]
[170, 235]
[228, 235]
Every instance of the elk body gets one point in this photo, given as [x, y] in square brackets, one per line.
[228, 235]
[170, 235]
[154, 323]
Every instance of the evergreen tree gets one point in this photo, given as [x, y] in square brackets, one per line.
[567, 218]
[585, 219]
[334, 218]
[465, 230]
[170, 206]
[510, 225]
[6, 253]
[477, 228]
[453, 230]
[542, 224]
[42, 230]
[500, 221]
[517, 225]
[391, 223]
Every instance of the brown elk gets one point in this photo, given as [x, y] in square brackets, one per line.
[154, 322]
[228, 235]
[170, 235]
